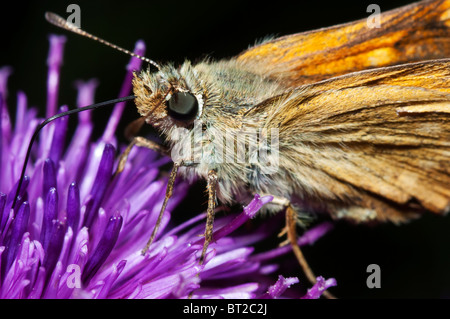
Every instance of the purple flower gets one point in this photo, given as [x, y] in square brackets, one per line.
[320, 286]
[76, 231]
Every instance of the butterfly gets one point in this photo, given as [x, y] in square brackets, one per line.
[360, 116]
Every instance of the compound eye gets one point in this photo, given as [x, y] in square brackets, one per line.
[182, 106]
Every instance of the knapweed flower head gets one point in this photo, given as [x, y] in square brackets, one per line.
[77, 230]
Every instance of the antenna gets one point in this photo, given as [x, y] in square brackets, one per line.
[54, 117]
[64, 24]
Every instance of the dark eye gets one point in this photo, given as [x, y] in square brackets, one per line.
[182, 106]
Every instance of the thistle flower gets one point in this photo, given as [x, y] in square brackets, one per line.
[77, 232]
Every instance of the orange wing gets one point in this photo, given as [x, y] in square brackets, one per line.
[420, 31]
[370, 145]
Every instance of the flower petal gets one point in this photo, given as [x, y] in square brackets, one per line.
[103, 248]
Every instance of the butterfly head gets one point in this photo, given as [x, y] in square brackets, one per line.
[171, 97]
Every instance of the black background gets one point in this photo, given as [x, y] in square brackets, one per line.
[414, 258]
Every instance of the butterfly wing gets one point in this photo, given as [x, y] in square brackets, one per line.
[370, 145]
[417, 32]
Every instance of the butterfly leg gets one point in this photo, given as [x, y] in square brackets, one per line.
[141, 142]
[291, 232]
[211, 188]
[169, 192]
